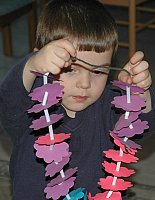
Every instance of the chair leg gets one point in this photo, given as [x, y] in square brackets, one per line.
[42, 4]
[132, 27]
[32, 24]
[7, 43]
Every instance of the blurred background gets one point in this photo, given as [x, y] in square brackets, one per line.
[136, 26]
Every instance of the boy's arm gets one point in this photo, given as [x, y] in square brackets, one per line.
[140, 76]
[14, 101]
[14, 89]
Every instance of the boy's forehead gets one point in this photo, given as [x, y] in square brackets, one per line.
[94, 58]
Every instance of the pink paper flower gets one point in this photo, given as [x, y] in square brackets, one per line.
[123, 171]
[58, 138]
[56, 154]
[115, 155]
[106, 183]
[124, 147]
[102, 196]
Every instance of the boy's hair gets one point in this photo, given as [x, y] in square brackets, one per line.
[85, 21]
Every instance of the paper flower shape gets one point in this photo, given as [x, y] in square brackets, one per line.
[54, 90]
[124, 147]
[106, 183]
[115, 155]
[42, 123]
[76, 194]
[138, 128]
[53, 168]
[128, 143]
[56, 191]
[54, 93]
[123, 171]
[54, 151]
[59, 179]
[136, 103]
[122, 122]
[39, 107]
[58, 138]
[56, 154]
[122, 85]
[102, 196]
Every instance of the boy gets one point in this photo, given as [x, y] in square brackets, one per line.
[69, 28]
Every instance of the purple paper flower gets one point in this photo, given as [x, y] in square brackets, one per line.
[62, 189]
[59, 179]
[122, 122]
[39, 107]
[138, 128]
[54, 94]
[136, 103]
[42, 123]
[54, 90]
[56, 154]
[122, 85]
[53, 168]
[128, 143]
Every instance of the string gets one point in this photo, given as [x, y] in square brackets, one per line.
[102, 66]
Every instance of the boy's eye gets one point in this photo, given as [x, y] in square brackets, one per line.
[68, 69]
[99, 72]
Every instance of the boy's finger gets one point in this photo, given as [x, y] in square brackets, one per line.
[124, 77]
[136, 58]
[68, 46]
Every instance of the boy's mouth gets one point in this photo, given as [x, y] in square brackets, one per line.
[80, 98]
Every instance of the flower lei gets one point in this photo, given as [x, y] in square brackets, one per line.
[53, 149]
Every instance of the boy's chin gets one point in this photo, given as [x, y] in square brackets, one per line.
[76, 108]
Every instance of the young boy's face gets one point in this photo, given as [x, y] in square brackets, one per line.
[83, 85]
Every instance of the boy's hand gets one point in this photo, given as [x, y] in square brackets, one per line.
[140, 76]
[51, 58]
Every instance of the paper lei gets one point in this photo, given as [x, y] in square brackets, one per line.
[53, 149]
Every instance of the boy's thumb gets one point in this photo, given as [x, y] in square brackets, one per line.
[124, 77]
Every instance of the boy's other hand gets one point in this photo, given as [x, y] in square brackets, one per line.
[139, 69]
[140, 76]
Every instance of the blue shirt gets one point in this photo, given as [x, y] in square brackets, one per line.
[89, 137]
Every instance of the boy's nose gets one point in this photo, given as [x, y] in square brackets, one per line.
[84, 81]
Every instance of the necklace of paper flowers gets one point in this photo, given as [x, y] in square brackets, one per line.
[55, 152]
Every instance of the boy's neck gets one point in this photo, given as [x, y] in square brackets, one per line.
[70, 113]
